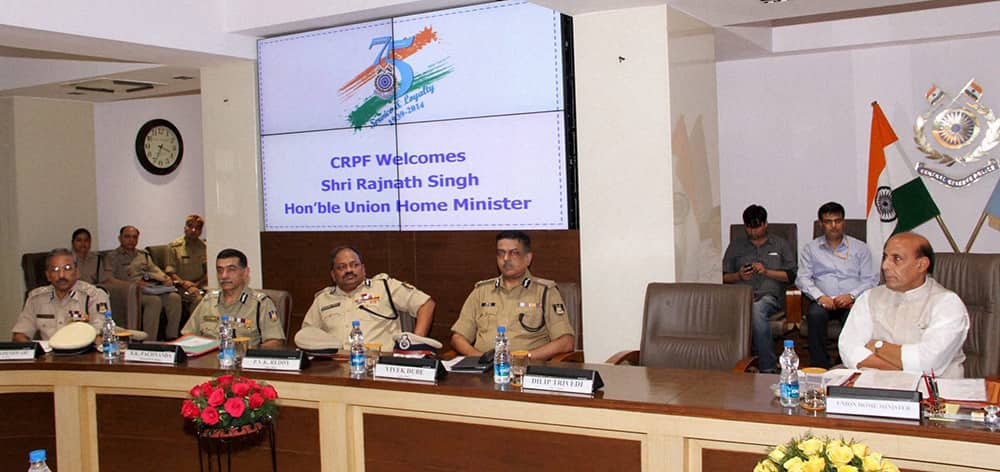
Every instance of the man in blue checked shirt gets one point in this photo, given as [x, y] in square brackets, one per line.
[834, 270]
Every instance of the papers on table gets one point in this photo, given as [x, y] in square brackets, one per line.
[963, 390]
[196, 345]
[888, 379]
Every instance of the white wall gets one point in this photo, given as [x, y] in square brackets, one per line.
[47, 153]
[127, 193]
[794, 130]
[626, 193]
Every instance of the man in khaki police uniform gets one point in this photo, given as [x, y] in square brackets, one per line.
[377, 302]
[252, 311]
[66, 300]
[127, 264]
[187, 263]
[531, 308]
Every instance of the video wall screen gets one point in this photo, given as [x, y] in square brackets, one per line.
[448, 120]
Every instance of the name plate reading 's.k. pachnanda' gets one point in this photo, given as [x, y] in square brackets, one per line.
[155, 353]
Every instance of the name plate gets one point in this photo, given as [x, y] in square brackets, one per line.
[269, 359]
[155, 353]
[404, 368]
[19, 351]
[873, 402]
[561, 379]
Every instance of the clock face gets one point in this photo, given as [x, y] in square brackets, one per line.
[159, 147]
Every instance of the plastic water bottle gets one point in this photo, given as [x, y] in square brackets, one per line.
[357, 339]
[789, 375]
[227, 348]
[501, 357]
[109, 340]
[36, 461]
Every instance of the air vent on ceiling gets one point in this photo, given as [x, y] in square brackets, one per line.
[106, 85]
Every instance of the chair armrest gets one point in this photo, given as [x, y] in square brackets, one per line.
[747, 364]
[623, 357]
[571, 356]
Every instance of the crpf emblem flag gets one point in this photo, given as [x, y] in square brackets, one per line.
[951, 132]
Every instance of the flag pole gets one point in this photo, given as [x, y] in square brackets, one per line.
[975, 232]
[947, 234]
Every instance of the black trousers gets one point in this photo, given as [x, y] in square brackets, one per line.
[818, 318]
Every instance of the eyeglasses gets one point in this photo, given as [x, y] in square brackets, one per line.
[58, 269]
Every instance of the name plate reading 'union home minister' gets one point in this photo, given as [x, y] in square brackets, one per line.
[903, 404]
[269, 359]
[155, 353]
[403, 368]
[19, 351]
[560, 379]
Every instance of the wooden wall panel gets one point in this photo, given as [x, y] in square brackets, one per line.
[28, 426]
[394, 443]
[148, 433]
[445, 264]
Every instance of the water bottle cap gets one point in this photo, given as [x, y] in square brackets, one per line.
[789, 343]
[355, 323]
[107, 314]
[501, 329]
[37, 455]
[225, 317]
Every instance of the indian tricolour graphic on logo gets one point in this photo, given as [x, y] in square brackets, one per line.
[390, 77]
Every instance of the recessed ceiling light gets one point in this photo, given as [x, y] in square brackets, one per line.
[183, 77]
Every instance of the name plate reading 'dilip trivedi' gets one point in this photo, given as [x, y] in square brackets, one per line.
[403, 368]
[155, 353]
[19, 351]
[559, 379]
[903, 404]
[268, 359]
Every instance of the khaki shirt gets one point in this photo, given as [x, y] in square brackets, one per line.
[255, 317]
[491, 305]
[44, 312]
[120, 265]
[333, 310]
[187, 259]
[90, 268]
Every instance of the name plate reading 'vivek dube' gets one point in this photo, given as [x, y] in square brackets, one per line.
[155, 353]
[269, 359]
[561, 379]
[19, 351]
[404, 368]
[903, 404]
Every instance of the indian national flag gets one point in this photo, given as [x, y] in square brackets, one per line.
[898, 200]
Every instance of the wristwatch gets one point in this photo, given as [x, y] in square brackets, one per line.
[878, 345]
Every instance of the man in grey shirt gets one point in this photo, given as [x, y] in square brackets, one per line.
[767, 264]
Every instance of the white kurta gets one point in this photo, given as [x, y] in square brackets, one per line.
[930, 322]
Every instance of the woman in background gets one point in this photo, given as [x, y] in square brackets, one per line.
[88, 262]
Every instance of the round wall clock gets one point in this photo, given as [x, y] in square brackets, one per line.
[159, 147]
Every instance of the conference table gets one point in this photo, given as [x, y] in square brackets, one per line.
[92, 415]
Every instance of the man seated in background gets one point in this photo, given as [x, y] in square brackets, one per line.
[65, 300]
[834, 270]
[911, 323]
[531, 308]
[126, 264]
[187, 264]
[376, 302]
[767, 264]
[251, 312]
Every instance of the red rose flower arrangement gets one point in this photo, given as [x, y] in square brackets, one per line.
[229, 401]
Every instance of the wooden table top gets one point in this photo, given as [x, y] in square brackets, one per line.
[696, 393]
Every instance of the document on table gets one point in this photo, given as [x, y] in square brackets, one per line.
[196, 345]
[963, 390]
[888, 379]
